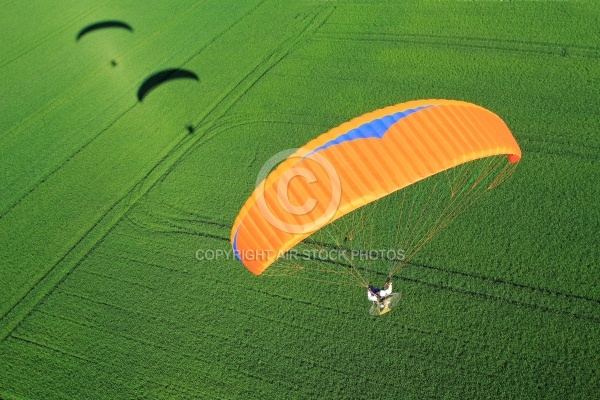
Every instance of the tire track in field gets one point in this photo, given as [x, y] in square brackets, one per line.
[563, 154]
[100, 229]
[127, 281]
[144, 263]
[557, 142]
[526, 303]
[315, 20]
[570, 149]
[500, 285]
[365, 353]
[234, 120]
[521, 46]
[187, 226]
[505, 282]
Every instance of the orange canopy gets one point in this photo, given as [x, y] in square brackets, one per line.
[359, 162]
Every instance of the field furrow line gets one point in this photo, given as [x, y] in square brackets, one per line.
[571, 154]
[485, 296]
[453, 37]
[570, 148]
[182, 327]
[553, 293]
[100, 253]
[110, 277]
[533, 47]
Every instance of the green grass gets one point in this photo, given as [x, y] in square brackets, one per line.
[104, 202]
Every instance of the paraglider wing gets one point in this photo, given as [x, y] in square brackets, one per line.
[363, 160]
[104, 25]
[163, 76]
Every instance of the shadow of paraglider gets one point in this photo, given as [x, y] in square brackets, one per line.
[103, 25]
[161, 77]
[108, 24]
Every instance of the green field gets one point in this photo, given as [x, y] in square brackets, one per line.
[104, 201]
